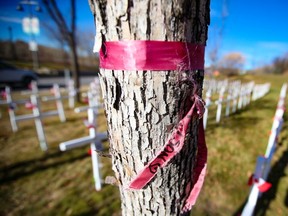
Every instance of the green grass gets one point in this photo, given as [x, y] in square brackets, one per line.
[234, 145]
[55, 183]
[60, 183]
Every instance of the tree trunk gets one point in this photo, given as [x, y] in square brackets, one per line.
[67, 34]
[143, 107]
[75, 67]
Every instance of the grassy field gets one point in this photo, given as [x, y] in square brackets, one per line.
[61, 183]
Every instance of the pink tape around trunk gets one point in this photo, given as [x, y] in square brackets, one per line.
[151, 55]
[163, 55]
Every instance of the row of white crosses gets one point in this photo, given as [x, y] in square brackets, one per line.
[237, 96]
[33, 103]
[258, 179]
[245, 94]
[58, 93]
[37, 115]
[94, 139]
[260, 90]
[58, 96]
[215, 85]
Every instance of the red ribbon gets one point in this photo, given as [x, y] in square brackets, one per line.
[199, 171]
[262, 185]
[29, 105]
[4, 95]
[172, 147]
[151, 55]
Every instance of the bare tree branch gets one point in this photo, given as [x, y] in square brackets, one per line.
[54, 33]
[59, 16]
[67, 34]
[73, 17]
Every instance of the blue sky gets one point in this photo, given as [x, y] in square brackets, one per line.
[9, 16]
[258, 29]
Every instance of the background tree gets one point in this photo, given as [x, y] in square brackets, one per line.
[232, 63]
[213, 53]
[85, 42]
[142, 107]
[54, 33]
[280, 64]
[68, 33]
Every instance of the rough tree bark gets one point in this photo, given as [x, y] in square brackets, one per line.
[142, 107]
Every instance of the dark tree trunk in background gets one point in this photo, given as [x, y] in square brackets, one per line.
[75, 67]
[67, 33]
[142, 107]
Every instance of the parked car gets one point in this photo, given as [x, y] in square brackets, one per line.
[10, 75]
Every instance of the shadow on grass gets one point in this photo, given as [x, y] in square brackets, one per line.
[241, 118]
[25, 168]
[275, 174]
[286, 198]
[235, 120]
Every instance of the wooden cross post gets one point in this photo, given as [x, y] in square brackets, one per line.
[94, 139]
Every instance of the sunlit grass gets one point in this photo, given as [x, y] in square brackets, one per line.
[61, 183]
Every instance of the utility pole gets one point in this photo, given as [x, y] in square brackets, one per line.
[31, 27]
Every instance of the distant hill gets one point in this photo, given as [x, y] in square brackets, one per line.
[50, 59]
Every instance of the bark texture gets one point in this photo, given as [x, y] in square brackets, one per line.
[142, 107]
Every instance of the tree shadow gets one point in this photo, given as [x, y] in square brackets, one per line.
[276, 173]
[236, 120]
[233, 123]
[48, 86]
[25, 168]
[286, 198]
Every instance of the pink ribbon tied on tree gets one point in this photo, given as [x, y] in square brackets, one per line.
[159, 56]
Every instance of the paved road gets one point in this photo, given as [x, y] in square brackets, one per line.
[46, 82]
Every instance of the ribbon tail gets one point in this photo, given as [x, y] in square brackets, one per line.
[264, 186]
[199, 170]
[191, 200]
[142, 179]
[171, 148]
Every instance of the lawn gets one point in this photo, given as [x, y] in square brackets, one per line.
[60, 183]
